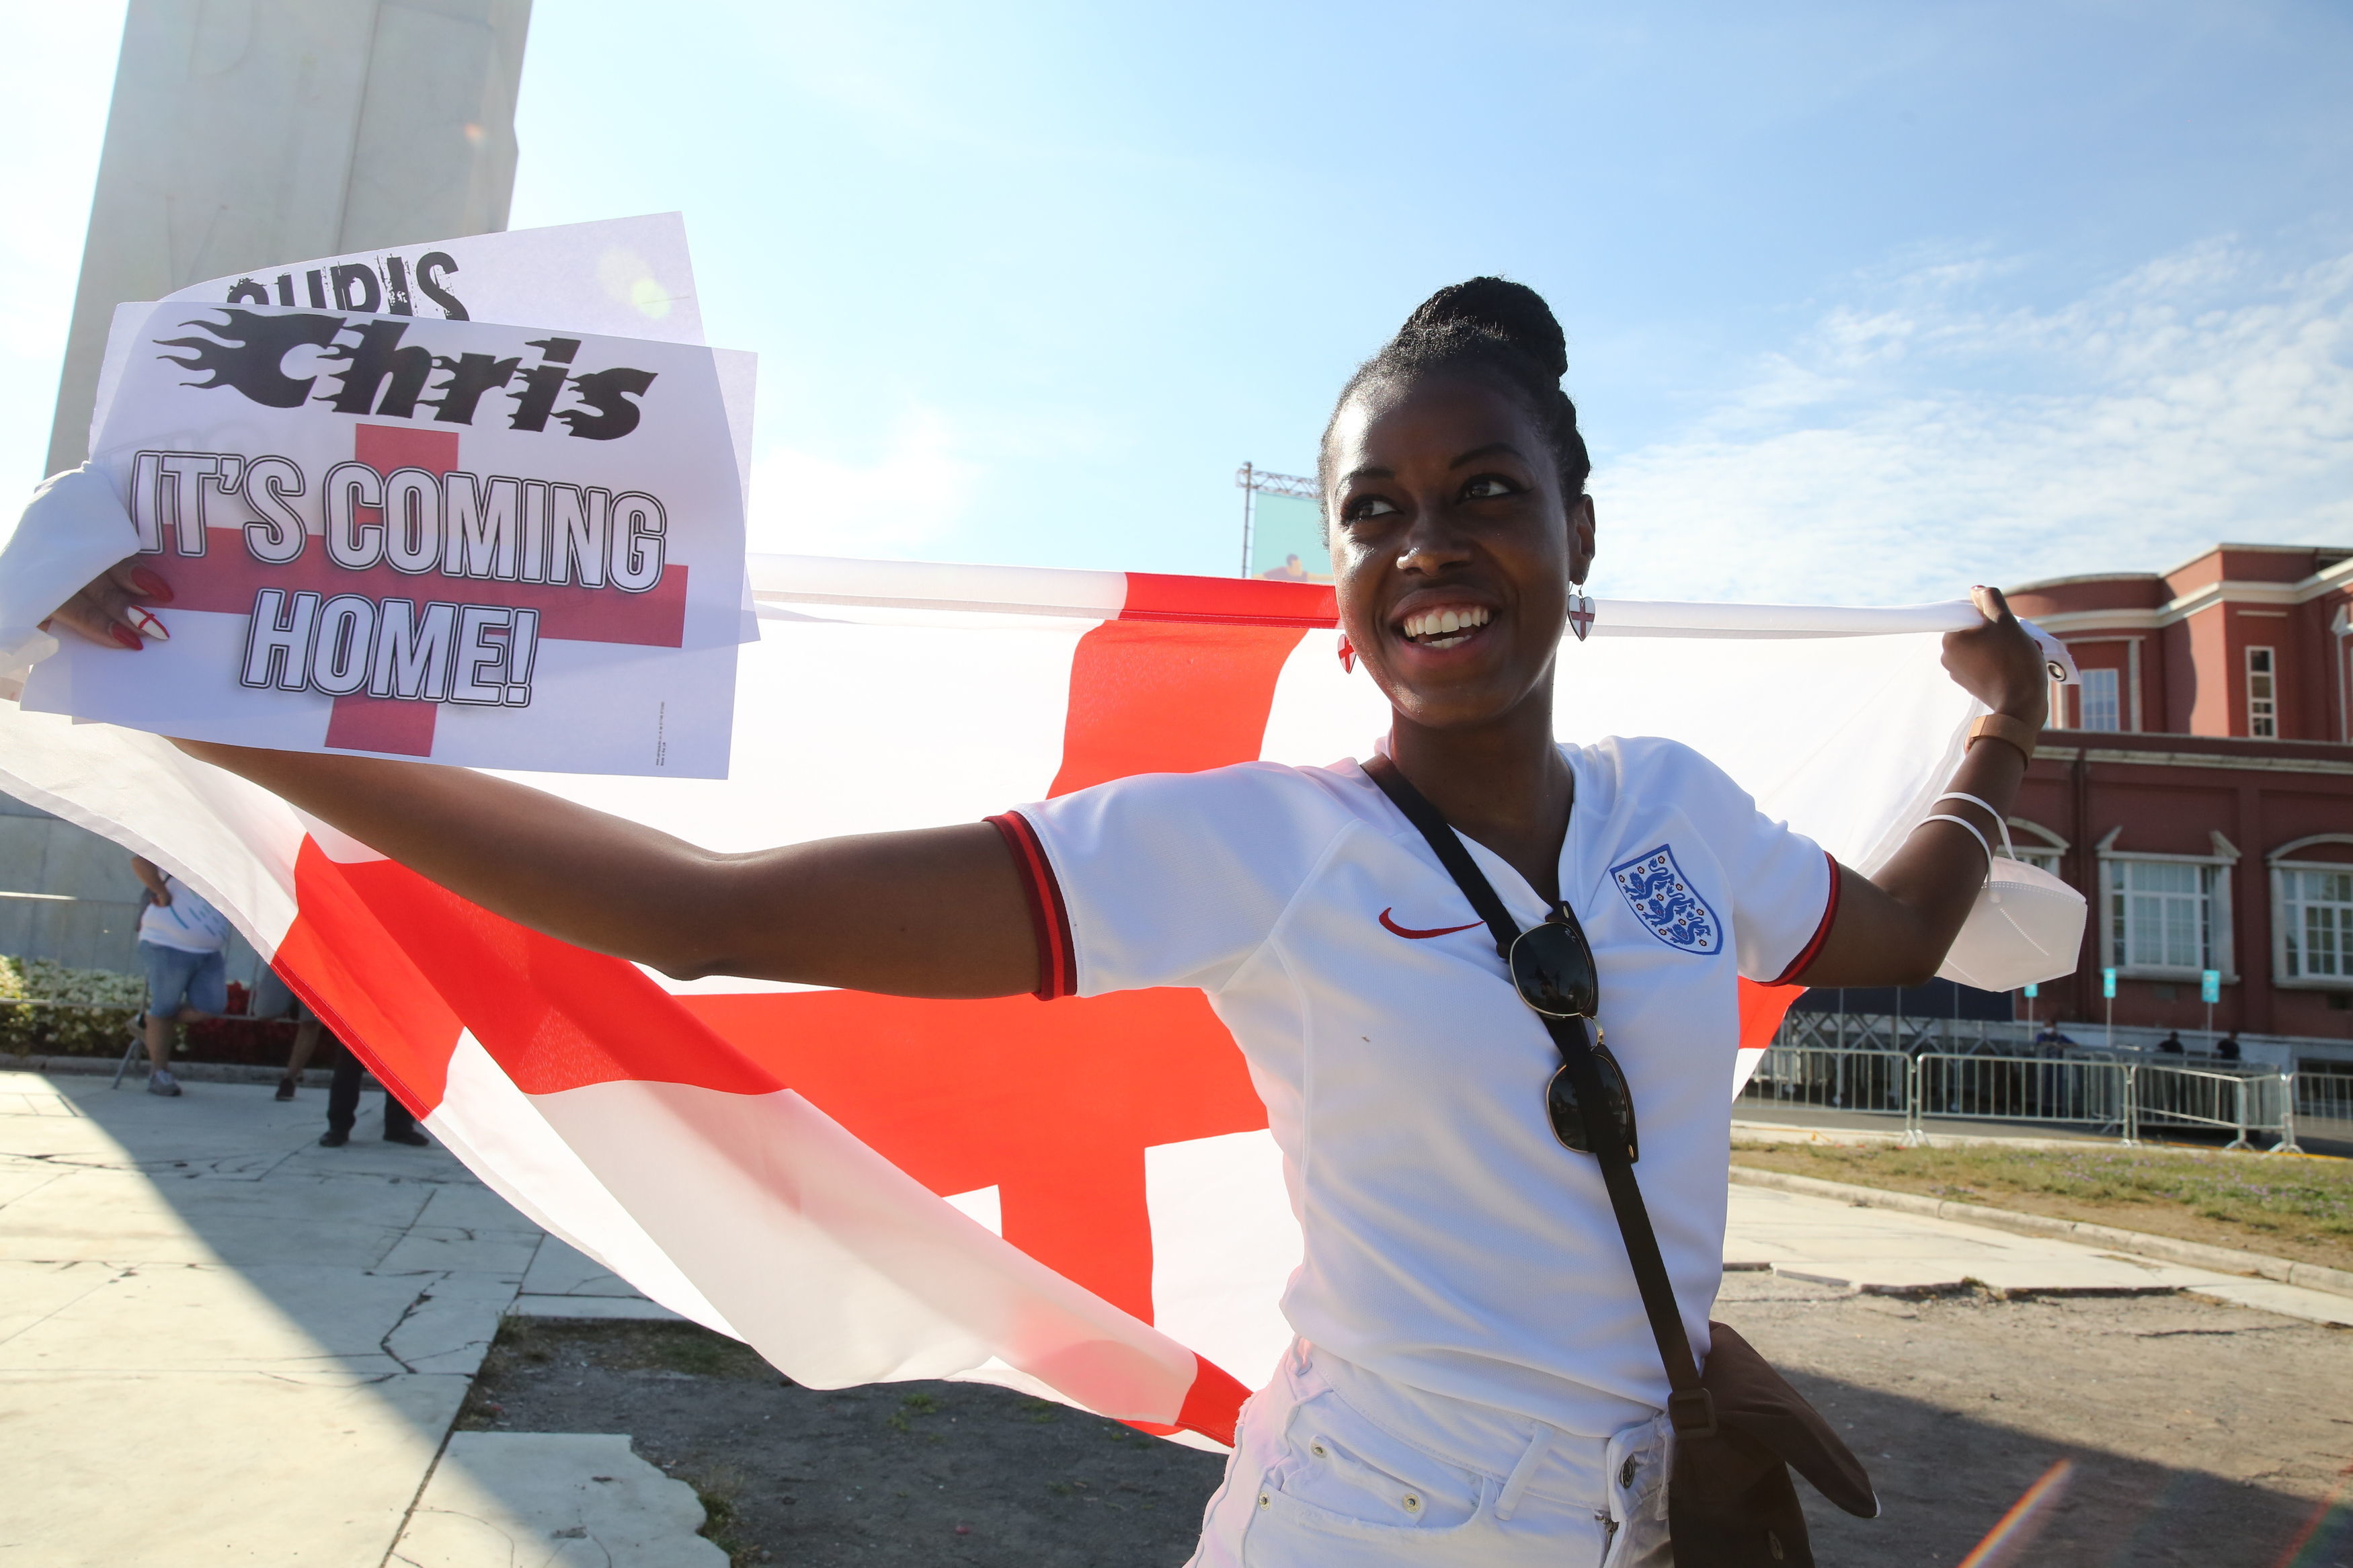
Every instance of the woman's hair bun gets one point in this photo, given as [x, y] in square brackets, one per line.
[1512, 312]
[1490, 327]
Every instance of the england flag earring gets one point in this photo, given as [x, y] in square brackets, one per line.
[1580, 610]
[1348, 654]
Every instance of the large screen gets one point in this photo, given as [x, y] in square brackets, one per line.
[1287, 540]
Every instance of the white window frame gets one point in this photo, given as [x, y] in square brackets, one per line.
[2282, 862]
[2128, 699]
[2262, 724]
[2220, 943]
[2037, 845]
[2114, 679]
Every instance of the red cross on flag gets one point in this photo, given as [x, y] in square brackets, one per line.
[1078, 1198]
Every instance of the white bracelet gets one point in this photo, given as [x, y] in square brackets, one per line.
[2001, 821]
[1971, 828]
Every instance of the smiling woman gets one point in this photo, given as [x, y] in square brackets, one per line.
[1476, 1377]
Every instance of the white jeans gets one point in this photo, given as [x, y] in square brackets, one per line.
[1336, 1468]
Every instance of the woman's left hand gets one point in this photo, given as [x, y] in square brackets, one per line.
[1998, 662]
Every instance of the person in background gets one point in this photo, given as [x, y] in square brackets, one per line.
[2227, 1048]
[180, 943]
[344, 1092]
[307, 1029]
[2171, 1044]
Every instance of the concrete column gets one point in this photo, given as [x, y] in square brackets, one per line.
[249, 131]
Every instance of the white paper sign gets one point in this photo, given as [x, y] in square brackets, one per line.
[626, 278]
[409, 536]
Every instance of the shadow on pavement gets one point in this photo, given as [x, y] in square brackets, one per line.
[1946, 1480]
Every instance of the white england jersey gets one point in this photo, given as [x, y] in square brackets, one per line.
[1451, 1243]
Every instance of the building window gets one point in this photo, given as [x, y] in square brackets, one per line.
[2036, 845]
[2263, 695]
[2316, 917]
[2100, 710]
[2161, 914]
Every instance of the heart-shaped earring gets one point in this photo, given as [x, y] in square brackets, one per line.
[1347, 654]
[1580, 610]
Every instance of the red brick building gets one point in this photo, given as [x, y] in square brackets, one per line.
[2198, 788]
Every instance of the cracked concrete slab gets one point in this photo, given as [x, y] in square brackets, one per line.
[502, 1499]
[578, 1309]
[31, 1293]
[209, 1317]
[435, 1249]
[230, 1346]
[170, 1468]
[559, 1269]
[450, 1325]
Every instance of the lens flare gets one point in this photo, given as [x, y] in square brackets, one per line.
[2007, 1542]
[2331, 1524]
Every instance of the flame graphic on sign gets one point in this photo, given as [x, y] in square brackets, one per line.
[245, 349]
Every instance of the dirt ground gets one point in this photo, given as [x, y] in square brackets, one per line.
[2202, 1433]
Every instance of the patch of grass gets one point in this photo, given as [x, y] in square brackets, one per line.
[717, 1492]
[914, 1406]
[524, 1346]
[2293, 1208]
[701, 1355]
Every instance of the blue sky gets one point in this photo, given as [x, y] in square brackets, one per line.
[1865, 303]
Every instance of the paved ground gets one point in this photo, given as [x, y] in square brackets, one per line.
[220, 1343]
[1876, 1251]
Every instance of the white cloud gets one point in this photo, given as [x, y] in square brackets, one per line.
[1916, 441]
[901, 505]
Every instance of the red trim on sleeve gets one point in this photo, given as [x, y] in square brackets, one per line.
[1050, 918]
[1822, 932]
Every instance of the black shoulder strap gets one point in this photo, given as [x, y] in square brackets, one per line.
[1448, 846]
[1693, 1410]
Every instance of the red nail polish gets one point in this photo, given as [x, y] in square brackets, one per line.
[152, 586]
[126, 636]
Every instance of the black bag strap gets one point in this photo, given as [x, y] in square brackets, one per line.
[1690, 1407]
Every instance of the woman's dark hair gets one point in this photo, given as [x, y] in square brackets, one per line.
[1490, 327]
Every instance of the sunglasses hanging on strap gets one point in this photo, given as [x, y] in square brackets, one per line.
[1739, 1427]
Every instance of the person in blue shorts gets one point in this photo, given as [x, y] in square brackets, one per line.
[180, 943]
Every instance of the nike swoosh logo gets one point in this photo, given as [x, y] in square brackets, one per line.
[1413, 935]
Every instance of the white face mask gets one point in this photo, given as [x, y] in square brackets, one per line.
[2026, 927]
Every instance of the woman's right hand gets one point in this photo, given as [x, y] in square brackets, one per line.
[111, 607]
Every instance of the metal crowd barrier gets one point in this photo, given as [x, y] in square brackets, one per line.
[2238, 1102]
[2022, 1088]
[2120, 1098]
[1827, 1079]
[2323, 1104]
